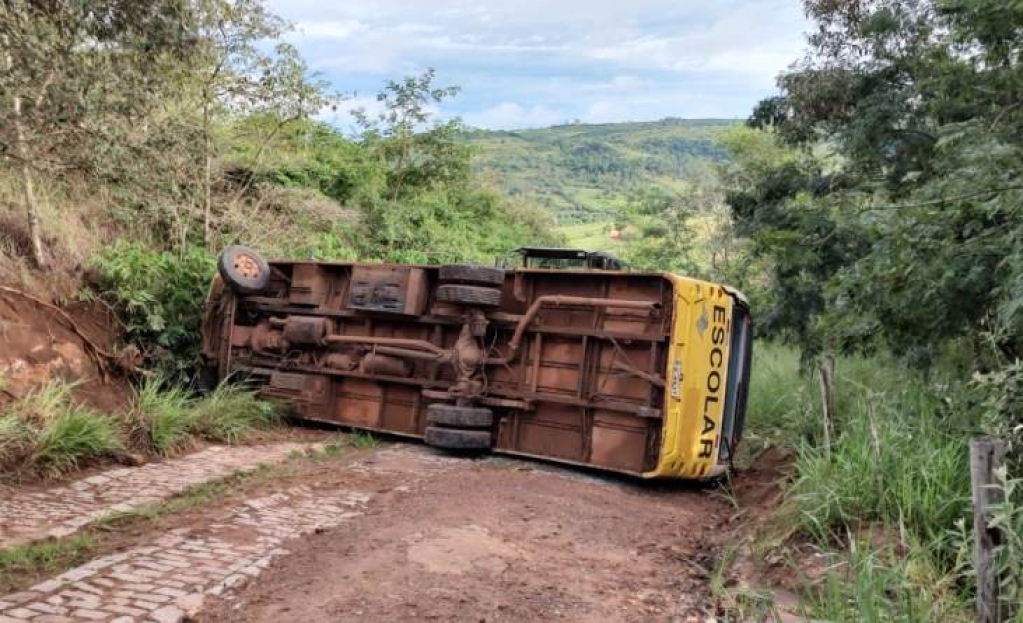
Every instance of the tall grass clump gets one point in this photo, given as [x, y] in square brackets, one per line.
[167, 419]
[889, 496]
[163, 417]
[898, 453]
[76, 435]
[782, 406]
[47, 432]
[230, 413]
[899, 457]
[871, 583]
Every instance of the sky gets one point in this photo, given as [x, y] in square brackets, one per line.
[536, 63]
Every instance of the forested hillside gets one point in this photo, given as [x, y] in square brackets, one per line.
[583, 173]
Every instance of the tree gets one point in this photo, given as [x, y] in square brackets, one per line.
[235, 76]
[227, 67]
[909, 180]
[418, 150]
[74, 72]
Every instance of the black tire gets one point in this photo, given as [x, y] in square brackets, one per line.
[245, 270]
[459, 417]
[457, 439]
[473, 275]
[469, 295]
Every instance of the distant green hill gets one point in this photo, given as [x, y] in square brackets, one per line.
[587, 173]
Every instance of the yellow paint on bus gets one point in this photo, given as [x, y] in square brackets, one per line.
[696, 378]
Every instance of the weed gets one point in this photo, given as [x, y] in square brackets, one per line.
[16, 440]
[46, 431]
[75, 435]
[333, 448]
[230, 413]
[897, 466]
[878, 584]
[739, 602]
[363, 439]
[42, 403]
[43, 558]
[162, 417]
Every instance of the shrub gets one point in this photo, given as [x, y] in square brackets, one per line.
[159, 295]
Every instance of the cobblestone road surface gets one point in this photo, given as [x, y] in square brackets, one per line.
[165, 581]
[61, 511]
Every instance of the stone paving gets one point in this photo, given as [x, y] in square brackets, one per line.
[166, 581]
[61, 511]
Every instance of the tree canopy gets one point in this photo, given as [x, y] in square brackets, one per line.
[887, 189]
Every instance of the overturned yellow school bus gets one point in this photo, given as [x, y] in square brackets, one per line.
[567, 357]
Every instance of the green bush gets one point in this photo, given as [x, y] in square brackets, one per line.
[159, 295]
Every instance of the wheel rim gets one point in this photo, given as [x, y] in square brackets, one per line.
[247, 266]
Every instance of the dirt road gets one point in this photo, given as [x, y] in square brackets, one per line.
[492, 540]
[395, 532]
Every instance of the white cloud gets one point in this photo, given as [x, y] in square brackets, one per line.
[344, 29]
[537, 62]
[510, 115]
[606, 112]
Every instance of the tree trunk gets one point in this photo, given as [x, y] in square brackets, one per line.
[207, 175]
[32, 213]
[28, 184]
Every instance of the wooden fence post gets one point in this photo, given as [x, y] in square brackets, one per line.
[986, 455]
[826, 371]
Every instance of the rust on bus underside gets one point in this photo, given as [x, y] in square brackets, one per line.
[571, 364]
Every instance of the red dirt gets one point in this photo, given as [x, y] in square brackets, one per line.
[498, 540]
[40, 346]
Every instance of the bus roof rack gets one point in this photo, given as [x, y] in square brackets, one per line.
[591, 259]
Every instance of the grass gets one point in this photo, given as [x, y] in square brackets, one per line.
[230, 413]
[166, 419]
[878, 584]
[48, 433]
[162, 418]
[44, 558]
[890, 494]
[73, 436]
[194, 497]
[363, 440]
[25, 565]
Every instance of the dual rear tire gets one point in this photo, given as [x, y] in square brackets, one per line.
[459, 428]
[472, 286]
